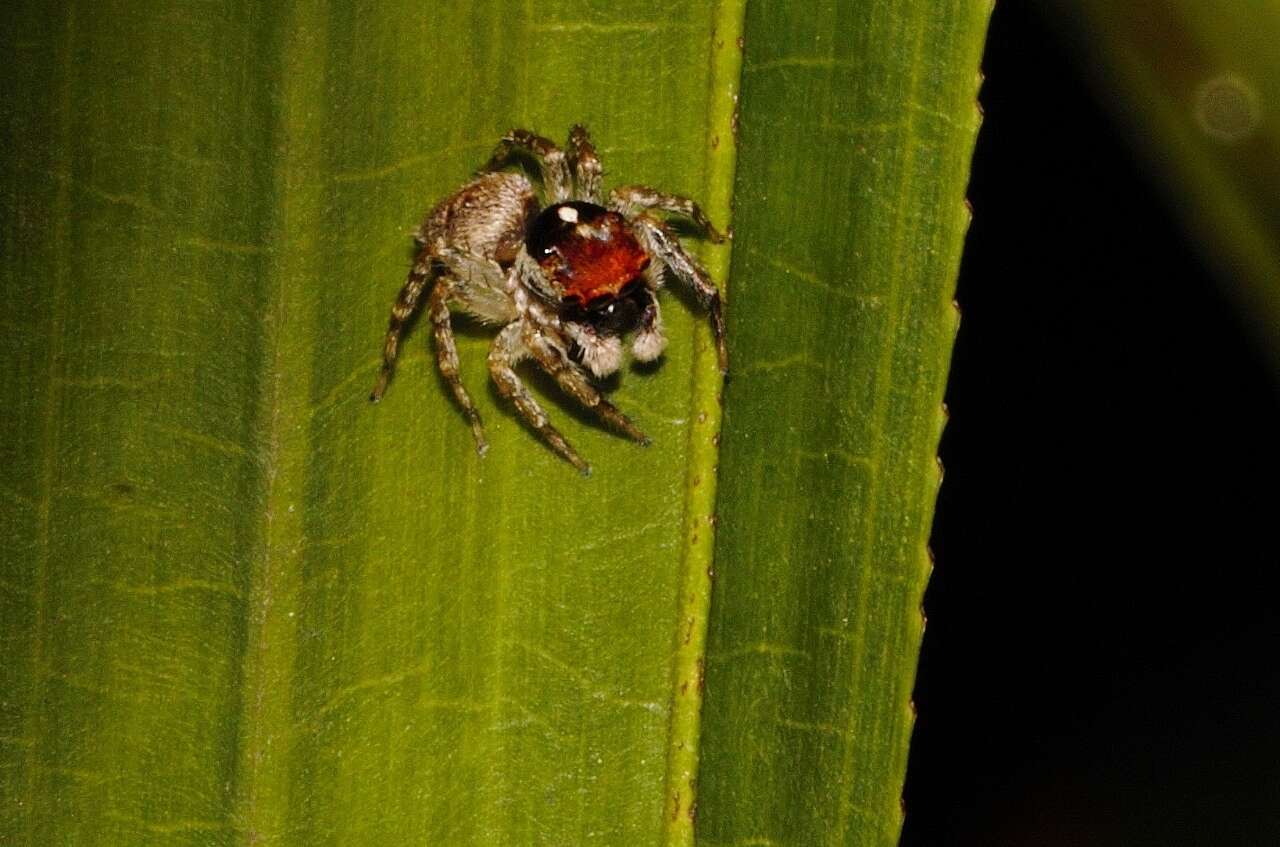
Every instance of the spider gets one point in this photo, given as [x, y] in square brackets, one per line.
[566, 281]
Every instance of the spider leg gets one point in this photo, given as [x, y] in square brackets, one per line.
[586, 165]
[571, 378]
[550, 158]
[662, 243]
[633, 199]
[405, 305]
[447, 354]
[508, 349]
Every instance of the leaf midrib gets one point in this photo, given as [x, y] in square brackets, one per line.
[261, 797]
[698, 529]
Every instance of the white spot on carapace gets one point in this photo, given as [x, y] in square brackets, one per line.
[568, 214]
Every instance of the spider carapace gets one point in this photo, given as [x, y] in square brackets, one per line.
[568, 282]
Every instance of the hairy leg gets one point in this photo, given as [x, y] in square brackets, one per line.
[405, 305]
[661, 242]
[630, 200]
[447, 355]
[586, 165]
[550, 158]
[571, 378]
[508, 349]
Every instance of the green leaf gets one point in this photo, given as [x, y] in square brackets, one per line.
[849, 219]
[240, 605]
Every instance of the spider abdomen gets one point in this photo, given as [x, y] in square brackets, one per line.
[587, 250]
[481, 217]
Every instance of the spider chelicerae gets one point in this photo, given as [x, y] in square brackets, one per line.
[567, 281]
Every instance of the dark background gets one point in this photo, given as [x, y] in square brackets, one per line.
[1100, 664]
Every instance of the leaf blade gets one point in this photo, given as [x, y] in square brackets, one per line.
[243, 605]
[827, 477]
[338, 637]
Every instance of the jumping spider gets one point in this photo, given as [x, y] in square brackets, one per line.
[566, 282]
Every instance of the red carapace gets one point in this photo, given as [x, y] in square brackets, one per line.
[588, 250]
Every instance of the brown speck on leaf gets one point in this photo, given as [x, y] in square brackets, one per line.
[702, 417]
[711, 519]
[695, 538]
[684, 688]
[675, 806]
[715, 440]
[742, 42]
[715, 142]
[693, 812]
[702, 676]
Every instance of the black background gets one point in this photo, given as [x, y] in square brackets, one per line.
[1100, 664]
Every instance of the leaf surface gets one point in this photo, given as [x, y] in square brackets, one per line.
[849, 220]
[240, 605]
